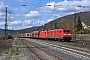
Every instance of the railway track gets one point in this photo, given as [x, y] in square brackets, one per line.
[72, 50]
[41, 53]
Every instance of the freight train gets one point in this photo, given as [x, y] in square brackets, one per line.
[62, 34]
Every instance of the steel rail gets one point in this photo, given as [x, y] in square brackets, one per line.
[40, 57]
[70, 49]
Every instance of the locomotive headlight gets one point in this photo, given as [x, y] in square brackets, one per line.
[64, 34]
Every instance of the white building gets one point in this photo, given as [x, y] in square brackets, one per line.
[84, 26]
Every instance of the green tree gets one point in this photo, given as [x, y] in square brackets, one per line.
[79, 24]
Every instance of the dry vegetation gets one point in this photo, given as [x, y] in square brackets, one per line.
[5, 44]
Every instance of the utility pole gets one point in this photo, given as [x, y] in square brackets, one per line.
[5, 32]
[74, 30]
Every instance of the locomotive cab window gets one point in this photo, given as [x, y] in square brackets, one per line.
[66, 30]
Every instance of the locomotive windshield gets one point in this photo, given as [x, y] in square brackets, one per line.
[66, 30]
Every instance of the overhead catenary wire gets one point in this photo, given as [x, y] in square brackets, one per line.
[37, 5]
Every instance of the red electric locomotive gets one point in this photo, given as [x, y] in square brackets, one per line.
[63, 34]
[56, 34]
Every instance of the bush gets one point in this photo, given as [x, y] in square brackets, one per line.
[10, 37]
[0, 54]
[12, 51]
[5, 37]
[80, 32]
[84, 31]
[17, 53]
[6, 52]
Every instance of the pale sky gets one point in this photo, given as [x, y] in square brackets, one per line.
[37, 12]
